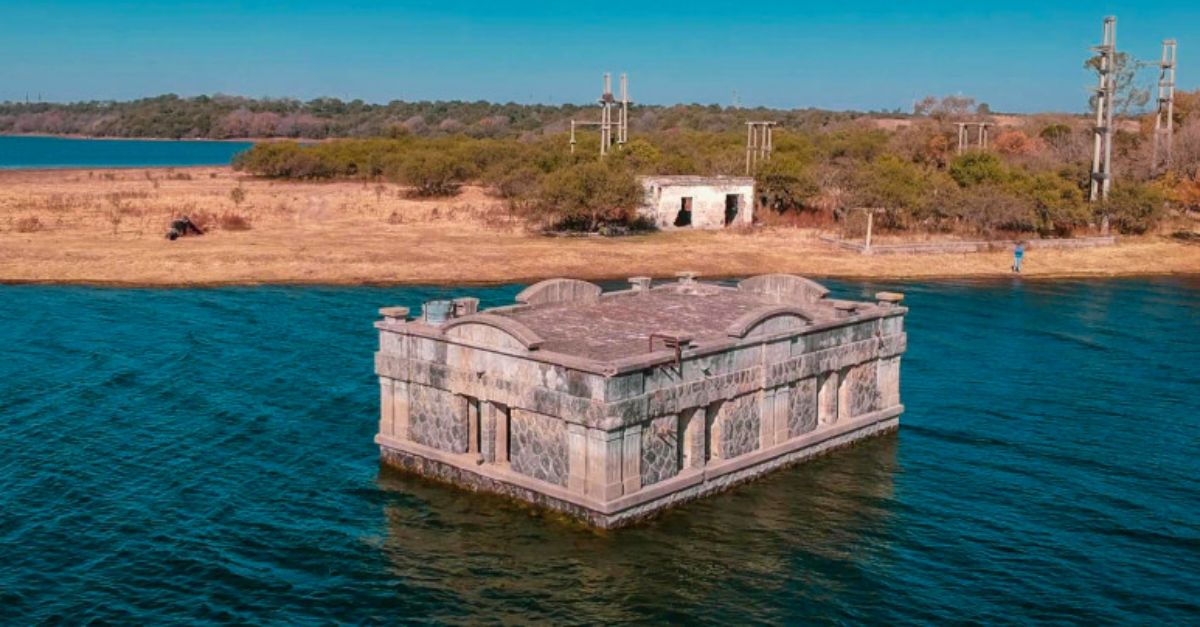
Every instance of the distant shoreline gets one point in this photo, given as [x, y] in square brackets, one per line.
[234, 140]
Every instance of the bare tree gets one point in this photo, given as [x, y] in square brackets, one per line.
[1130, 97]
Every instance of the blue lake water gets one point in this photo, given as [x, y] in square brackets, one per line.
[59, 152]
[206, 455]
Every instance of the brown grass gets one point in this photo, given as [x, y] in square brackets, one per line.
[352, 233]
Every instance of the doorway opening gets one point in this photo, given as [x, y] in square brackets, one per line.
[733, 205]
[684, 217]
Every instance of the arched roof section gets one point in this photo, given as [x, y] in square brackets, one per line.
[785, 288]
[559, 291]
[770, 319]
[517, 333]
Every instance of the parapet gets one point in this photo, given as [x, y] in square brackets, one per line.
[559, 291]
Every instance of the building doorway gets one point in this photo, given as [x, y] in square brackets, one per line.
[684, 217]
[733, 205]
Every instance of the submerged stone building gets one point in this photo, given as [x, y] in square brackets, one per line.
[612, 406]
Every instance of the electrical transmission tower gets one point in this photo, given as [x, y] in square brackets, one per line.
[1105, 96]
[759, 143]
[1164, 120]
[607, 125]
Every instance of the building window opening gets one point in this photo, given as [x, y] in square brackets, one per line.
[733, 204]
[684, 217]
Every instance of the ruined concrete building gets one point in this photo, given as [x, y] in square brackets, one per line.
[612, 406]
[698, 202]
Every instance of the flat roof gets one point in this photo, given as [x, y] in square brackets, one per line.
[619, 324]
[694, 179]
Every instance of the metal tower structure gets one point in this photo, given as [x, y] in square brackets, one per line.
[607, 125]
[1106, 93]
[759, 143]
[1164, 120]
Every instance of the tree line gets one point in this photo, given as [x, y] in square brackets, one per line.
[233, 117]
[1032, 180]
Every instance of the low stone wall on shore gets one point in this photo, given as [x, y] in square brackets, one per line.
[968, 246]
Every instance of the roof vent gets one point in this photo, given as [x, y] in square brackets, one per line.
[465, 306]
[438, 311]
[640, 283]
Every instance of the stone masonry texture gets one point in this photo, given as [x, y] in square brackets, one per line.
[660, 450]
[436, 419]
[802, 407]
[740, 426]
[864, 390]
[539, 446]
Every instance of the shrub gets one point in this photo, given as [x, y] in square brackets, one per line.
[1018, 143]
[1134, 208]
[230, 221]
[28, 224]
[992, 208]
[584, 195]
[977, 168]
[237, 195]
[785, 183]
[431, 172]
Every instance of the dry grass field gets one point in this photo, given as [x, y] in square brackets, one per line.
[108, 226]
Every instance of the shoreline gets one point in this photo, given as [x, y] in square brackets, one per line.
[239, 140]
[219, 284]
[72, 227]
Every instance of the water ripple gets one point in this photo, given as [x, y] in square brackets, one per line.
[207, 456]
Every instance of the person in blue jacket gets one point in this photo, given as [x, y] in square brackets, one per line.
[1018, 253]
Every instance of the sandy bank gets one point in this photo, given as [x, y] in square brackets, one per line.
[107, 226]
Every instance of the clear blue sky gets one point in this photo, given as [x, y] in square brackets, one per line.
[1016, 55]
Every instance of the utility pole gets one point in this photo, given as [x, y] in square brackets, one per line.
[1164, 119]
[623, 129]
[1106, 93]
[607, 124]
[759, 143]
[981, 135]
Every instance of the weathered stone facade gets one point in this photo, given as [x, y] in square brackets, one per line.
[434, 419]
[660, 449]
[697, 202]
[538, 446]
[612, 406]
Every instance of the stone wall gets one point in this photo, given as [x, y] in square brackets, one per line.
[861, 390]
[660, 449]
[739, 425]
[802, 407]
[437, 419]
[662, 204]
[538, 445]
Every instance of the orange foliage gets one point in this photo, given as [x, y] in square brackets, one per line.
[1186, 192]
[1018, 143]
[937, 150]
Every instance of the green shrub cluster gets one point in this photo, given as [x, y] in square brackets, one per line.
[822, 171]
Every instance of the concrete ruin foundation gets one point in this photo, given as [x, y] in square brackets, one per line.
[612, 406]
